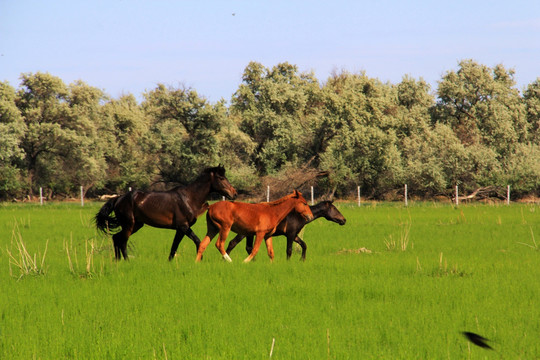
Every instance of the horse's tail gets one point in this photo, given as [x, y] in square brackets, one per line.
[106, 222]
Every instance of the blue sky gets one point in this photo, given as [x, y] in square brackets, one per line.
[130, 46]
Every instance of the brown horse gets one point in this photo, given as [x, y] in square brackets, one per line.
[293, 224]
[260, 220]
[175, 209]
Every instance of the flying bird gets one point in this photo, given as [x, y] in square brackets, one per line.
[477, 340]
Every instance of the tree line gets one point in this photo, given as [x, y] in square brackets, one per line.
[476, 129]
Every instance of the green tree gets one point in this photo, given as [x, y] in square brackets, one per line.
[62, 146]
[12, 129]
[82, 148]
[185, 127]
[361, 132]
[414, 101]
[522, 169]
[488, 115]
[42, 101]
[130, 147]
[531, 97]
[235, 151]
[275, 108]
[482, 106]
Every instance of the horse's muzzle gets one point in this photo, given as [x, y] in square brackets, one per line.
[308, 217]
[232, 194]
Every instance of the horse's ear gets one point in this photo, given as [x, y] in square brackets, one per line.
[221, 169]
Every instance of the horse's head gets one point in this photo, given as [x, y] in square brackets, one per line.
[301, 206]
[220, 184]
[331, 213]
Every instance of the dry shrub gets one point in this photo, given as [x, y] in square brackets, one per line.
[290, 178]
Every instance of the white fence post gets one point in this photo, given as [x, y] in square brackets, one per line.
[358, 190]
[406, 196]
[268, 193]
[82, 196]
[40, 196]
[457, 196]
[508, 195]
[312, 202]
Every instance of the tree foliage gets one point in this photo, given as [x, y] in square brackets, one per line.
[274, 108]
[474, 130]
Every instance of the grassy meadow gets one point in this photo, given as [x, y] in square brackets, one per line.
[393, 283]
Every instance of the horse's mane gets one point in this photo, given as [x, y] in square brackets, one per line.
[220, 170]
[203, 176]
[281, 200]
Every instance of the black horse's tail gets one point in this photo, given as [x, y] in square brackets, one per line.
[106, 222]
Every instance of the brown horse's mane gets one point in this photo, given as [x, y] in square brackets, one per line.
[281, 200]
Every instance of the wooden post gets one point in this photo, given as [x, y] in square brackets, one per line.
[508, 195]
[457, 196]
[82, 196]
[40, 196]
[358, 190]
[312, 202]
[268, 193]
[406, 195]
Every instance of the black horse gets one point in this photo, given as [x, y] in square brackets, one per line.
[291, 226]
[176, 209]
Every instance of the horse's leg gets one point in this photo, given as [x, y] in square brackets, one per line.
[118, 240]
[270, 249]
[303, 246]
[249, 244]
[136, 226]
[183, 230]
[290, 239]
[177, 238]
[193, 237]
[220, 243]
[258, 240]
[120, 244]
[234, 242]
[211, 231]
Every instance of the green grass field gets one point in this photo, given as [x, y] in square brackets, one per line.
[393, 283]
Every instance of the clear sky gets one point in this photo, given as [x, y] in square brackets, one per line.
[130, 46]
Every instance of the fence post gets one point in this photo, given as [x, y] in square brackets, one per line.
[312, 202]
[457, 196]
[40, 196]
[268, 193]
[358, 190]
[82, 196]
[508, 195]
[406, 195]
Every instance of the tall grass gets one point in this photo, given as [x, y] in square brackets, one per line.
[467, 271]
[20, 258]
